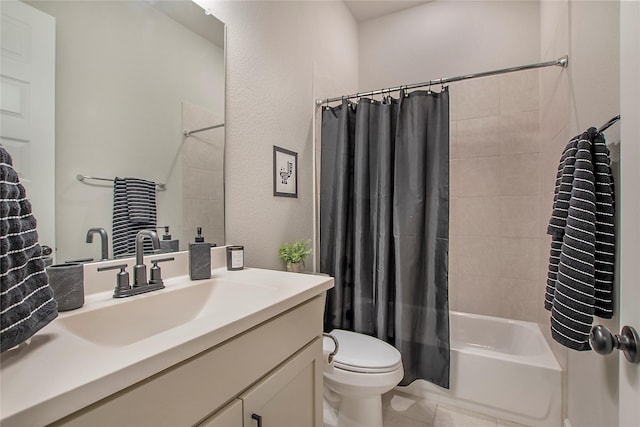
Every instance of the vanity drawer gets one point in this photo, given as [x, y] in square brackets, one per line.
[191, 390]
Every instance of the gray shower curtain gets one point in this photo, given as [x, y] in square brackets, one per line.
[384, 225]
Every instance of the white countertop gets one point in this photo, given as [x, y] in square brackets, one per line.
[58, 372]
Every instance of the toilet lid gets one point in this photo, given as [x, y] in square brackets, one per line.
[362, 353]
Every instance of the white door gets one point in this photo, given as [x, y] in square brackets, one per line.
[629, 230]
[27, 128]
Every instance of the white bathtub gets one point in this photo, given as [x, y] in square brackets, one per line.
[499, 367]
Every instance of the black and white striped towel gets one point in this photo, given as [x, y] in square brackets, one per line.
[26, 300]
[134, 209]
[581, 262]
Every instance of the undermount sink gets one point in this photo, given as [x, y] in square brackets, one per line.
[124, 322]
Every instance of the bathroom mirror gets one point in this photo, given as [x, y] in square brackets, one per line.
[131, 77]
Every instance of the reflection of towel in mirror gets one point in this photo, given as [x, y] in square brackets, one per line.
[134, 209]
[26, 299]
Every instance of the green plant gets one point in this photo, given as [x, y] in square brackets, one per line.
[295, 252]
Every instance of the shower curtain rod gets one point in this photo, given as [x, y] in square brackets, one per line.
[561, 62]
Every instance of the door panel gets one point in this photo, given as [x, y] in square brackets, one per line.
[27, 85]
[291, 396]
[629, 203]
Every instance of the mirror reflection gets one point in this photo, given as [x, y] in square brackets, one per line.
[130, 78]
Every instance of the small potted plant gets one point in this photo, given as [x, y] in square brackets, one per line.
[294, 254]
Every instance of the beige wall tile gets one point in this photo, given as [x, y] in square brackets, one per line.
[477, 294]
[478, 176]
[454, 229]
[453, 103]
[520, 132]
[548, 164]
[453, 140]
[202, 184]
[203, 213]
[519, 91]
[478, 98]
[519, 258]
[519, 175]
[201, 154]
[505, 153]
[519, 299]
[479, 256]
[478, 137]
[544, 211]
[477, 216]
[554, 107]
[519, 216]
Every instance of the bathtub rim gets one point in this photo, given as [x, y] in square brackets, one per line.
[546, 359]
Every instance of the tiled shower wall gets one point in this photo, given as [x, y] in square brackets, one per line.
[496, 216]
[202, 176]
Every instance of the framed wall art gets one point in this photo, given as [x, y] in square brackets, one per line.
[285, 172]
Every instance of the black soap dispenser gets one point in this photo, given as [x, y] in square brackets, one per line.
[199, 258]
[167, 244]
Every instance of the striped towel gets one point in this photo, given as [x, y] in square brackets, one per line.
[581, 262]
[134, 209]
[26, 300]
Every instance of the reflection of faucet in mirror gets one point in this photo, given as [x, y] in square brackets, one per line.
[140, 270]
[104, 241]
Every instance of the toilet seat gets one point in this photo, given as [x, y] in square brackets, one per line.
[362, 353]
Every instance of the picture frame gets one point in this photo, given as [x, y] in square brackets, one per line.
[285, 172]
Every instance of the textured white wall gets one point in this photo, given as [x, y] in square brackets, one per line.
[280, 57]
[447, 38]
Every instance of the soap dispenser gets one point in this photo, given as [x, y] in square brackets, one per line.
[199, 258]
[167, 244]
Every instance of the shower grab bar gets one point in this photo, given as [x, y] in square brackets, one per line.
[82, 178]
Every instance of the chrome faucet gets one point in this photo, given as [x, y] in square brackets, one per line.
[104, 247]
[140, 270]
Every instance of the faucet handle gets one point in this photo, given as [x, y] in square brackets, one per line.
[156, 273]
[122, 279]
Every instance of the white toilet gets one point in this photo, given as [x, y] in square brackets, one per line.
[362, 370]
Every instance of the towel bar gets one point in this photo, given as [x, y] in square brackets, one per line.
[81, 178]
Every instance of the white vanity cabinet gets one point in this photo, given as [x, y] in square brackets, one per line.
[273, 370]
[287, 397]
[229, 416]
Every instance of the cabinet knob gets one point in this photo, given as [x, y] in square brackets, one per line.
[258, 418]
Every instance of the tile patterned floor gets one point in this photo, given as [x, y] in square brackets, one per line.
[401, 410]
